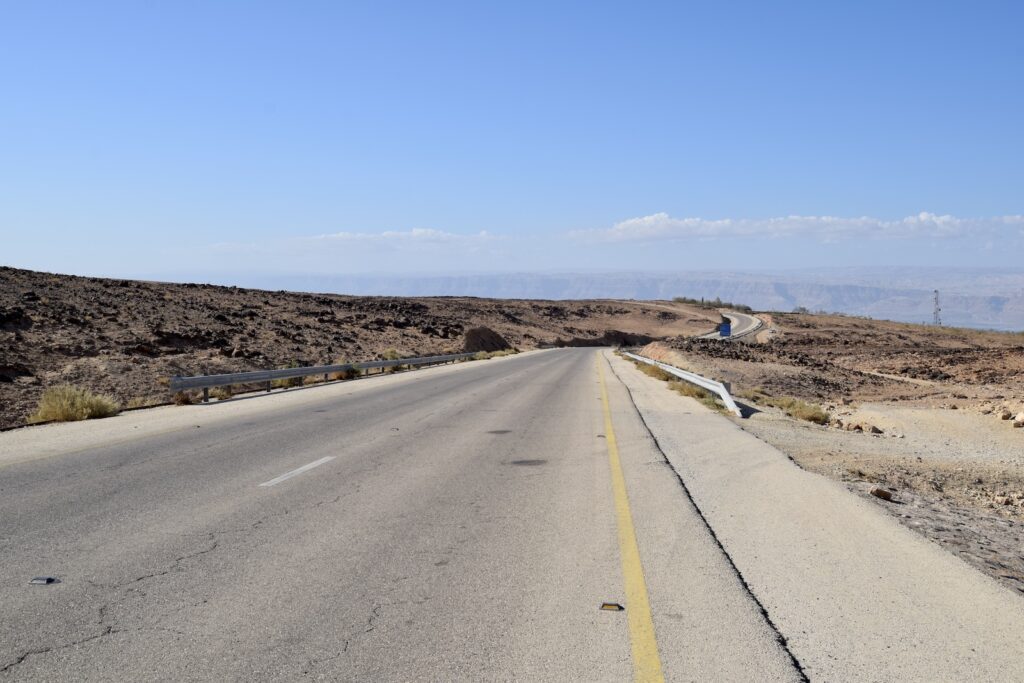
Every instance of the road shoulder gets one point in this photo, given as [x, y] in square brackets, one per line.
[708, 627]
[856, 595]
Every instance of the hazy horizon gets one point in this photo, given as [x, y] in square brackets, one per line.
[970, 297]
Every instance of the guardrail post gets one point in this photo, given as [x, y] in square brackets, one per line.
[206, 394]
[269, 386]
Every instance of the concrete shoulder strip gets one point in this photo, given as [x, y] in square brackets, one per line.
[856, 595]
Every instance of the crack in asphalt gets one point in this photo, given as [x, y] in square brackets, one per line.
[109, 630]
[368, 628]
[175, 565]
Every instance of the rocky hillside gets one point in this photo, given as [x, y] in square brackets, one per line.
[830, 358]
[121, 336]
[982, 298]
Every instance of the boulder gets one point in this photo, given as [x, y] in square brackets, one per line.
[884, 494]
[862, 427]
[484, 339]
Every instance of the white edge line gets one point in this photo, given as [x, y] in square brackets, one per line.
[300, 470]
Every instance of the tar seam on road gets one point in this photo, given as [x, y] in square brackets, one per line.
[298, 470]
[781, 639]
[646, 663]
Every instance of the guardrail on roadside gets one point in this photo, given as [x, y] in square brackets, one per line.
[711, 385]
[206, 382]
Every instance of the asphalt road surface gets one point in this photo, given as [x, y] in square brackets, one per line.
[452, 523]
[742, 324]
[466, 522]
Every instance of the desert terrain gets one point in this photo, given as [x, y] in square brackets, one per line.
[926, 413]
[120, 337]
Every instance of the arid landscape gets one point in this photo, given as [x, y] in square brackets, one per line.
[932, 415]
[120, 337]
[925, 413]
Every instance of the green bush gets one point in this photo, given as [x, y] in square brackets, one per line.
[67, 403]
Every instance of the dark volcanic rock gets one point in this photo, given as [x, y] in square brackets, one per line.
[12, 319]
[123, 337]
[484, 339]
[12, 371]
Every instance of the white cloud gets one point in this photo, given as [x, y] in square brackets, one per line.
[661, 226]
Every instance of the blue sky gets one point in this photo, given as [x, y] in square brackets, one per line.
[165, 139]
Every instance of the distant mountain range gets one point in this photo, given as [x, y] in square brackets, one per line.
[980, 298]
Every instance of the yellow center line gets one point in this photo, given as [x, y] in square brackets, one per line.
[646, 663]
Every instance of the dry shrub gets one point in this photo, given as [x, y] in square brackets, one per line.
[702, 395]
[221, 393]
[802, 410]
[655, 372]
[681, 387]
[485, 355]
[137, 402]
[351, 373]
[66, 403]
[794, 407]
[392, 354]
[183, 398]
[289, 382]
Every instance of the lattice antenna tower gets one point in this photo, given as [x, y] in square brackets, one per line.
[936, 314]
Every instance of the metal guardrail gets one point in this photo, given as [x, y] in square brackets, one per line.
[711, 385]
[206, 382]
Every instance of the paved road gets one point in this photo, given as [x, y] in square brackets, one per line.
[464, 522]
[742, 325]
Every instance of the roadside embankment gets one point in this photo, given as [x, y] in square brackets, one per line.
[937, 434]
